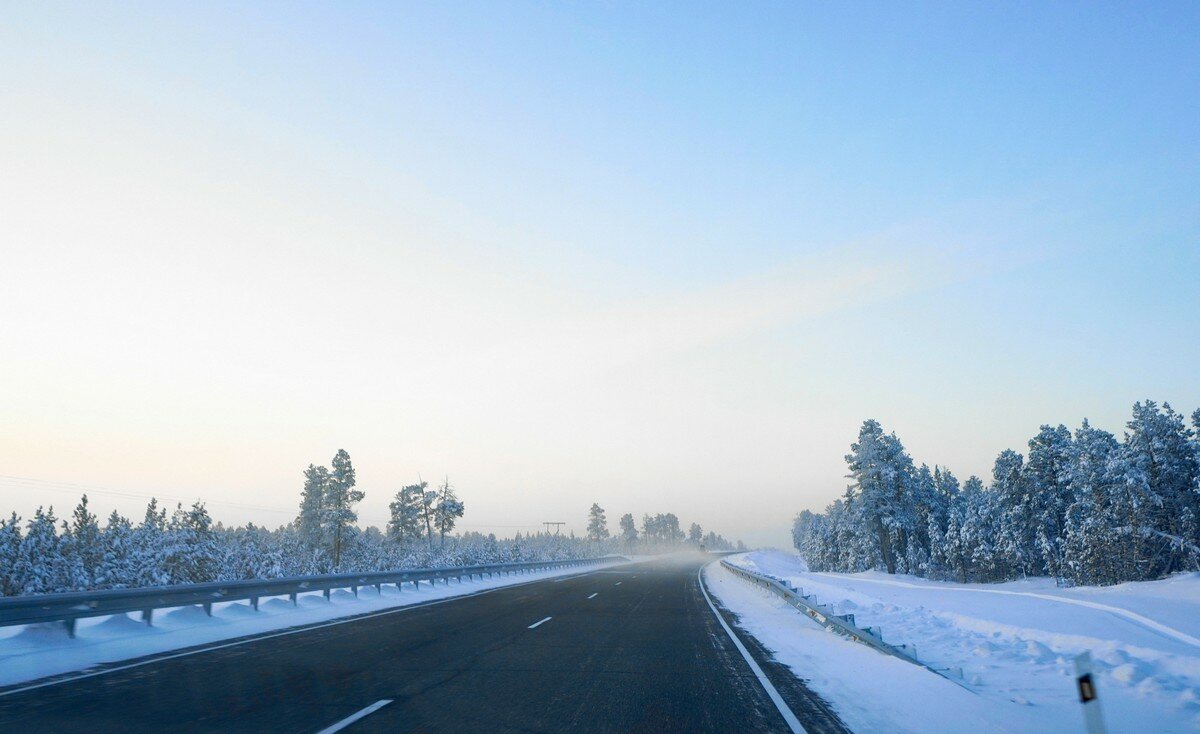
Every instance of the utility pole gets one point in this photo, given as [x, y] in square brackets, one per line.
[557, 527]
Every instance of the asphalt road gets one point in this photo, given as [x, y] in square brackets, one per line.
[627, 649]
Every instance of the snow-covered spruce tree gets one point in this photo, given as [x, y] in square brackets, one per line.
[597, 526]
[447, 511]
[695, 534]
[340, 497]
[404, 527]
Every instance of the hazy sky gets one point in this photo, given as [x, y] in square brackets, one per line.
[666, 257]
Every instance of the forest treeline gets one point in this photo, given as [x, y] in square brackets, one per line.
[1081, 506]
[45, 554]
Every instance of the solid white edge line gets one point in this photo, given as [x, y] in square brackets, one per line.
[593, 596]
[540, 622]
[355, 717]
[283, 633]
[792, 722]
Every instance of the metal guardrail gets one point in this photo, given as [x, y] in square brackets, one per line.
[843, 624]
[71, 606]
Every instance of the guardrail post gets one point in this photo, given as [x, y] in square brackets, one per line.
[327, 591]
[69, 622]
[355, 590]
[207, 608]
[292, 596]
[379, 589]
[146, 615]
[254, 602]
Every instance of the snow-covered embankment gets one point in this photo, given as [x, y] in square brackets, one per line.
[1015, 643]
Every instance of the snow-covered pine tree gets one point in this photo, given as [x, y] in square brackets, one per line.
[449, 508]
[982, 532]
[404, 527]
[311, 523]
[881, 474]
[629, 532]
[1047, 476]
[1093, 548]
[1161, 473]
[191, 551]
[936, 520]
[429, 513]
[10, 550]
[1016, 537]
[695, 534]
[41, 567]
[150, 547]
[82, 548]
[340, 497]
[597, 526]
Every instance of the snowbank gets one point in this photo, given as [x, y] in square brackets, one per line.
[1015, 642]
[36, 651]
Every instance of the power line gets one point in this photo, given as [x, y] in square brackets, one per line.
[73, 488]
[54, 486]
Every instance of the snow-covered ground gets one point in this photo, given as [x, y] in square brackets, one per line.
[36, 651]
[1015, 643]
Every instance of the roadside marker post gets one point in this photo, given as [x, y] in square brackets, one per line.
[1093, 718]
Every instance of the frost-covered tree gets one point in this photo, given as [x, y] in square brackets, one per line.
[881, 475]
[81, 548]
[10, 553]
[41, 567]
[311, 522]
[597, 526]
[190, 549]
[629, 531]
[448, 509]
[695, 534]
[150, 547]
[404, 527]
[340, 497]
[1017, 533]
[1095, 547]
[429, 513]
[117, 555]
[1161, 470]
[1048, 481]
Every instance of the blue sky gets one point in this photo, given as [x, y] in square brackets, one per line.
[570, 252]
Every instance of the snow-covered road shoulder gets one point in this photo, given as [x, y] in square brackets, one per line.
[1015, 643]
[33, 652]
[870, 691]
